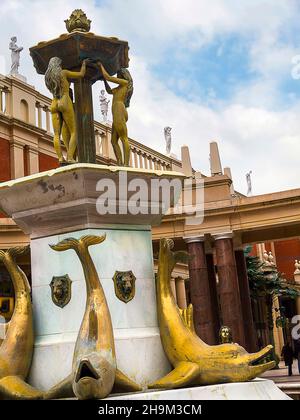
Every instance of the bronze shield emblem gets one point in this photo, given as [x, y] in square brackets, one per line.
[61, 290]
[124, 285]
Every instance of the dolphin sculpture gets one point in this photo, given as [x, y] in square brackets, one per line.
[195, 362]
[94, 369]
[17, 347]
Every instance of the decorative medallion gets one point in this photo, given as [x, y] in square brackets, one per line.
[61, 290]
[124, 285]
[78, 21]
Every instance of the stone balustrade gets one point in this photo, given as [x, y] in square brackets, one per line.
[22, 102]
[4, 98]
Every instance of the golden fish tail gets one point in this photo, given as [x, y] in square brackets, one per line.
[14, 252]
[75, 244]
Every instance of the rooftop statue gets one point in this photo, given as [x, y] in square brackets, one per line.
[104, 102]
[15, 56]
[168, 139]
[249, 183]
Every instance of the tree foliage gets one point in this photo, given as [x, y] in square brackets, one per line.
[270, 284]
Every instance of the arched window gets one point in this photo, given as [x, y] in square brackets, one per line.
[24, 111]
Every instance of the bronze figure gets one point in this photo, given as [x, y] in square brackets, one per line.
[121, 100]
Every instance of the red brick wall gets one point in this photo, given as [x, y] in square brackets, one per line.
[286, 254]
[47, 162]
[4, 160]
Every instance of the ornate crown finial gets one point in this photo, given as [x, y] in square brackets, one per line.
[78, 21]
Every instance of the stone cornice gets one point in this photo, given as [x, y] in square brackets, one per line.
[194, 239]
[22, 124]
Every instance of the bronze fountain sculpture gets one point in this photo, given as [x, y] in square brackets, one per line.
[84, 59]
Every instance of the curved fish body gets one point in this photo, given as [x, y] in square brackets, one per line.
[94, 360]
[17, 347]
[195, 362]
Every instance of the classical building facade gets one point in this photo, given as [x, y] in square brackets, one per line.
[216, 280]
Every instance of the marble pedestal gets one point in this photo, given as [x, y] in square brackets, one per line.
[257, 390]
[58, 204]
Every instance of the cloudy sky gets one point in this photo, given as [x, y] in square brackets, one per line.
[211, 69]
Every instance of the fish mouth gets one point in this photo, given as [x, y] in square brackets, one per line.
[86, 371]
[256, 358]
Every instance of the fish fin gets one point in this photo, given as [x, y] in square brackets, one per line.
[15, 252]
[124, 384]
[65, 245]
[255, 357]
[257, 371]
[187, 316]
[63, 389]
[72, 243]
[92, 240]
[183, 375]
[15, 388]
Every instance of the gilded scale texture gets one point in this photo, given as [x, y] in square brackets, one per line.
[195, 362]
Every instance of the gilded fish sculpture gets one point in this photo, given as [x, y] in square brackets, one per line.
[17, 347]
[195, 362]
[94, 369]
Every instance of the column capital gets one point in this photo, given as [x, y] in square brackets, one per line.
[225, 235]
[33, 149]
[194, 239]
[17, 144]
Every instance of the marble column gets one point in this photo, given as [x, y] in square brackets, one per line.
[229, 287]
[200, 291]
[249, 330]
[213, 295]
[180, 293]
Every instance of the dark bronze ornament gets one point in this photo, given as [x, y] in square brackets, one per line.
[124, 285]
[78, 22]
[61, 290]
